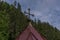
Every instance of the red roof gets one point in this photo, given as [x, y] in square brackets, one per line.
[30, 34]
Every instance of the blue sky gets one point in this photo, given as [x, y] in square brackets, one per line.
[45, 10]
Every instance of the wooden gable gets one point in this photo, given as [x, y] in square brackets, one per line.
[30, 34]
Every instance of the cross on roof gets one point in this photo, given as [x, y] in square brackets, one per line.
[29, 13]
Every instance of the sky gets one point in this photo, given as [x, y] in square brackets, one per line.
[45, 10]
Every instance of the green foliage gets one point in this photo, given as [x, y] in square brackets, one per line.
[48, 31]
[12, 17]
[4, 20]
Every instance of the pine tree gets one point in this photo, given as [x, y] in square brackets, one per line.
[12, 23]
[19, 6]
[15, 2]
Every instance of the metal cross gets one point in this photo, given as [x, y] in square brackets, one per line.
[29, 13]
